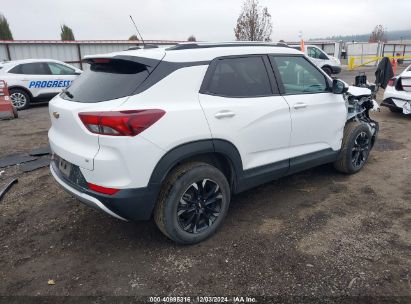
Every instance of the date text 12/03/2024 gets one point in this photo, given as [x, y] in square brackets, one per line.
[202, 299]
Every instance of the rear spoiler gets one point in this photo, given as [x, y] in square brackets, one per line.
[150, 63]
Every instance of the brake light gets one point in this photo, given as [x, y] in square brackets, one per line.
[101, 60]
[391, 82]
[3, 88]
[103, 190]
[120, 123]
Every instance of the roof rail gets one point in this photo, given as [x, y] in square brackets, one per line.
[187, 46]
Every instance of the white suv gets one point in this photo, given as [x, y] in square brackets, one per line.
[32, 80]
[174, 133]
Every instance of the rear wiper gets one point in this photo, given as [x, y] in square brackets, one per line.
[68, 94]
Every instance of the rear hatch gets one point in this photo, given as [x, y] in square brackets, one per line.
[108, 83]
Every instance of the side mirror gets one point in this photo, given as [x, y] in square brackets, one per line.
[339, 86]
[77, 73]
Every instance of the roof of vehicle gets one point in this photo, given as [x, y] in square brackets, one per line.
[201, 51]
[299, 45]
[21, 61]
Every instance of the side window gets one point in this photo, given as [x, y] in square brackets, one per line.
[16, 70]
[313, 52]
[299, 76]
[35, 68]
[240, 77]
[59, 69]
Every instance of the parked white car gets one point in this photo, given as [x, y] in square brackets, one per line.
[397, 94]
[33, 80]
[172, 134]
[329, 64]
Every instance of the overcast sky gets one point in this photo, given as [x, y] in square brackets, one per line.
[211, 20]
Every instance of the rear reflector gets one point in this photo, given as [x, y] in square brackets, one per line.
[104, 190]
[391, 82]
[120, 123]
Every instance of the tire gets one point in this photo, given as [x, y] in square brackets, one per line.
[20, 99]
[180, 213]
[355, 148]
[327, 70]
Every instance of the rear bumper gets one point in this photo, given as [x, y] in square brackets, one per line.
[397, 103]
[389, 104]
[127, 204]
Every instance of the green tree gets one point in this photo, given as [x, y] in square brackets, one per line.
[66, 33]
[254, 23]
[5, 32]
[133, 37]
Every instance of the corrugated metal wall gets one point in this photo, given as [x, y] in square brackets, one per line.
[70, 52]
[3, 52]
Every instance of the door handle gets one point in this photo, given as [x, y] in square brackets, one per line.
[300, 105]
[224, 114]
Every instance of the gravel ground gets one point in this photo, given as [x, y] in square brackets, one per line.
[317, 233]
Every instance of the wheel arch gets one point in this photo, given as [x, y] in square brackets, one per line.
[219, 153]
[23, 89]
[327, 66]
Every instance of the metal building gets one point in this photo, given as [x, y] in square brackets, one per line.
[68, 51]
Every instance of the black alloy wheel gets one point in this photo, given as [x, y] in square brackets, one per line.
[199, 206]
[360, 150]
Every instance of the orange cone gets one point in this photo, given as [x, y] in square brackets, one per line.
[7, 111]
[302, 46]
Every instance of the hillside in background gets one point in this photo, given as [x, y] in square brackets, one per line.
[391, 35]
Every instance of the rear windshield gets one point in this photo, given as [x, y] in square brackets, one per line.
[106, 80]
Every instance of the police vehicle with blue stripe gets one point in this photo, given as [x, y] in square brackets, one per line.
[33, 80]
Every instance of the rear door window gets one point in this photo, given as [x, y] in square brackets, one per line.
[107, 79]
[240, 77]
[34, 68]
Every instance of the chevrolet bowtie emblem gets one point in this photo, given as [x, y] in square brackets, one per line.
[56, 115]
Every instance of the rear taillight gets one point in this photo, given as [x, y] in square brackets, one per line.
[391, 82]
[120, 123]
[3, 88]
[103, 190]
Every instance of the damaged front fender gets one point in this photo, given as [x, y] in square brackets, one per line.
[360, 102]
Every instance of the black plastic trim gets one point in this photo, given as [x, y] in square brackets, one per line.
[311, 160]
[188, 46]
[133, 204]
[138, 203]
[261, 175]
[178, 154]
[389, 103]
[241, 179]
